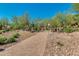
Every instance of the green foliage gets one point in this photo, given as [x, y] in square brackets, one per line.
[20, 22]
[75, 7]
[11, 39]
[57, 21]
[16, 35]
[65, 23]
[1, 31]
[2, 39]
[14, 26]
[37, 27]
[69, 19]
[76, 17]
[68, 29]
[61, 22]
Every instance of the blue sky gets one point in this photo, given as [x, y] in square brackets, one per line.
[45, 10]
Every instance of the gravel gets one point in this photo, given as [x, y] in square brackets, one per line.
[62, 44]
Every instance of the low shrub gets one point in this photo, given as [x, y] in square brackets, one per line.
[6, 30]
[1, 31]
[2, 39]
[68, 29]
[10, 40]
[16, 35]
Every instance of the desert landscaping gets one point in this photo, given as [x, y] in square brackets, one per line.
[57, 35]
[44, 44]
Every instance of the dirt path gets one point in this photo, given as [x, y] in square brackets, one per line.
[33, 46]
[46, 44]
[62, 44]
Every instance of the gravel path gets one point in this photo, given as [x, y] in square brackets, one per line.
[46, 44]
[62, 44]
[33, 46]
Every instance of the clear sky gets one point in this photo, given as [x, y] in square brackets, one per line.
[45, 10]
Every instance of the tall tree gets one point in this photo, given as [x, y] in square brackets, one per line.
[21, 22]
[57, 20]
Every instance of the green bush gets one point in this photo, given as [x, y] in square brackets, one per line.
[4, 31]
[2, 39]
[10, 40]
[16, 35]
[68, 29]
[1, 31]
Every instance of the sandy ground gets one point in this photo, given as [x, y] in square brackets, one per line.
[63, 44]
[33, 46]
[46, 44]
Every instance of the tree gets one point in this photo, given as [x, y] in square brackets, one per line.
[20, 22]
[57, 20]
[69, 19]
[75, 7]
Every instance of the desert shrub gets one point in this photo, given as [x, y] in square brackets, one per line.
[2, 39]
[14, 26]
[16, 35]
[4, 30]
[68, 29]
[1, 31]
[36, 27]
[10, 40]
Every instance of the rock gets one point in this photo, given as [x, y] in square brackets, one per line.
[2, 49]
